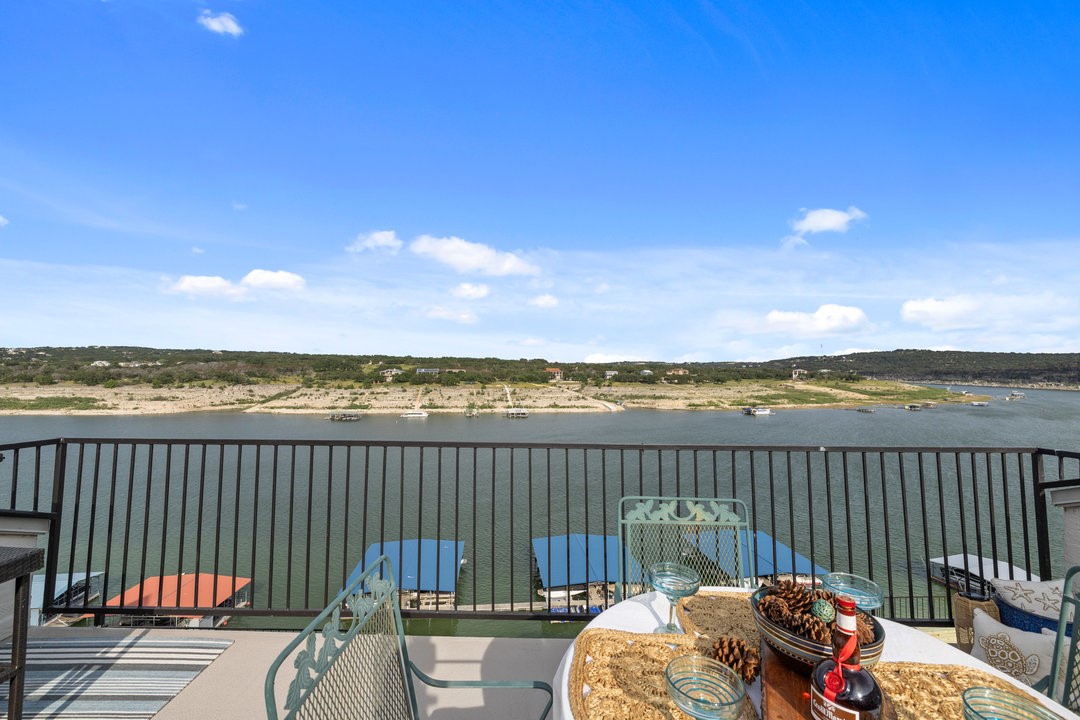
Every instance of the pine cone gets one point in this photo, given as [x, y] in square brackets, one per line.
[864, 628]
[811, 627]
[776, 609]
[795, 595]
[739, 655]
[822, 594]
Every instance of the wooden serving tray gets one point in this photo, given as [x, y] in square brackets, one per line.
[785, 689]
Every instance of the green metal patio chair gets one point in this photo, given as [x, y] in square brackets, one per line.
[352, 661]
[1063, 684]
[710, 535]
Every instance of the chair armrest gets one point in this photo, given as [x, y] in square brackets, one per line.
[1043, 685]
[498, 684]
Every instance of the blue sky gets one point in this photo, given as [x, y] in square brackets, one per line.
[682, 181]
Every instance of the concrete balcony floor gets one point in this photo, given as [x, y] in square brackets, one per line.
[231, 686]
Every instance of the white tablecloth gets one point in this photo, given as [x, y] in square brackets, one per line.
[644, 612]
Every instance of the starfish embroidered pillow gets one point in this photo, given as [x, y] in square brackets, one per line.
[1038, 598]
[1024, 655]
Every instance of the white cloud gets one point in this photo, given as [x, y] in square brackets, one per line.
[197, 251]
[222, 23]
[544, 301]
[465, 317]
[3, 221]
[239, 206]
[602, 288]
[828, 319]
[821, 220]
[533, 342]
[469, 291]
[208, 286]
[378, 240]
[465, 256]
[273, 280]
[951, 313]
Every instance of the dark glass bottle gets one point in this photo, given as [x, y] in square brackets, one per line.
[840, 687]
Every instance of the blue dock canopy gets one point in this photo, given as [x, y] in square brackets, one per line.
[763, 560]
[422, 564]
[579, 559]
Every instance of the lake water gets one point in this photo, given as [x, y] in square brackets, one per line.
[1045, 418]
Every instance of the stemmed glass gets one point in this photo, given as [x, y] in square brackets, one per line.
[674, 580]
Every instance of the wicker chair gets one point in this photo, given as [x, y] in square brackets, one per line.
[352, 661]
[708, 534]
[1063, 684]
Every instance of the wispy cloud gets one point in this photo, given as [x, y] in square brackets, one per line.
[208, 286]
[544, 301]
[465, 256]
[828, 319]
[239, 206]
[3, 221]
[465, 317]
[273, 280]
[469, 291]
[217, 286]
[221, 24]
[385, 240]
[819, 221]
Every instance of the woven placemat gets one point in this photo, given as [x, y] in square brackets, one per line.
[618, 675]
[920, 690]
[717, 613]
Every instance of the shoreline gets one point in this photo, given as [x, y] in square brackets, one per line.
[394, 399]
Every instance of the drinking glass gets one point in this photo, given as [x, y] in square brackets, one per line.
[866, 593]
[983, 703]
[704, 688]
[674, 580]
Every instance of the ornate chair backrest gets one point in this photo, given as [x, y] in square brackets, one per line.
[1065, 668]
[351, 661]
[710, 535]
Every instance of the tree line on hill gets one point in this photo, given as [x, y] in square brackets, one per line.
[114, 366]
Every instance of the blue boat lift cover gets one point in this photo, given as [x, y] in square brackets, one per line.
[579, 559]
[422, 564]
[763, 560]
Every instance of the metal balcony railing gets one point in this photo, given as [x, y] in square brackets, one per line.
[295, 517]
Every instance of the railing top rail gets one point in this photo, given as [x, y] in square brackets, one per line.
[553, 445]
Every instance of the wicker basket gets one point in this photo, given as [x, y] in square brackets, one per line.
[963, 610]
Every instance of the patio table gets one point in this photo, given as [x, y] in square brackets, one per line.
[644, 612]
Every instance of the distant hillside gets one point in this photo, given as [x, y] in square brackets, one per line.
[1052, 369]
[114, 366]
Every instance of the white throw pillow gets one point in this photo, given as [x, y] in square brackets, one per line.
[1038, 598]
[1024, 655]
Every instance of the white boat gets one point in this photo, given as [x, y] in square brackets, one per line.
[979, 403]
[972, 573]
[1015, 395]
[517, 413]
[760, 411]
[414, 414]
[344, 417]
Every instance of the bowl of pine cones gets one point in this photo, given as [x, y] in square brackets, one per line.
[797, 622]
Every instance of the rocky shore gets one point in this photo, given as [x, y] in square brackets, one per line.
[64, 399]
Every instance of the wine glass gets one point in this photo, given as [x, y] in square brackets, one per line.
[674, 580]
[866, 593]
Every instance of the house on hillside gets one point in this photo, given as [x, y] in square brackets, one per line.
[554, 374]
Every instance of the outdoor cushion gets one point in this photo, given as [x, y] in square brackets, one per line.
[1038, 598]
[1023, 655]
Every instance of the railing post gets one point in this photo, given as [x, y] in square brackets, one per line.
[52, 555]
[1042, 523]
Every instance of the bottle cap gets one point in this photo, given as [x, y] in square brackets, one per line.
[845, 603]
